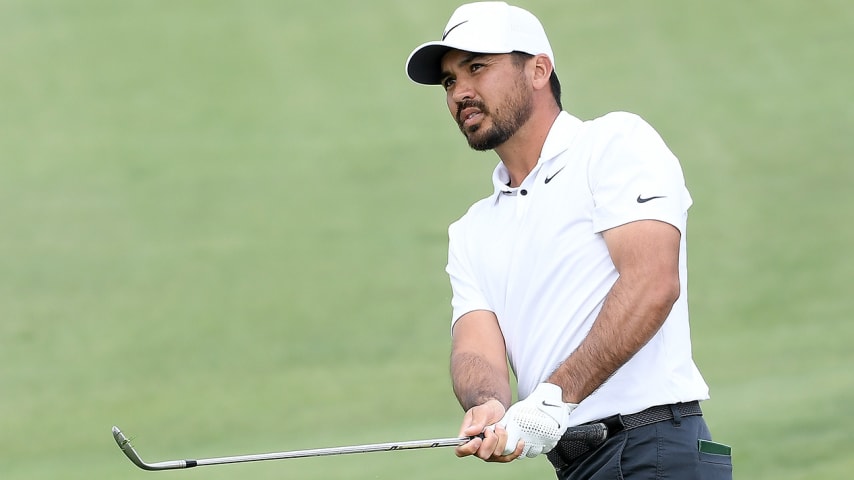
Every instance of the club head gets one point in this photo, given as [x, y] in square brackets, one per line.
[124, 444]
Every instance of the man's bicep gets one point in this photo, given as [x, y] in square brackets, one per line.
[647, 247]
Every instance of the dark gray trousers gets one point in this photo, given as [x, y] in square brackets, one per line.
[663, 450]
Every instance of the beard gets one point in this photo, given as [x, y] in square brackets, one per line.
[507, 119]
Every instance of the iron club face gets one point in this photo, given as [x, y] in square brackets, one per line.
[124, 444]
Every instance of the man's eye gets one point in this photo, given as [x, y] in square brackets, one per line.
[448, 83]
[476, 66]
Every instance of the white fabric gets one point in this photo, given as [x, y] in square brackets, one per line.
[539, 420]
[534, 255]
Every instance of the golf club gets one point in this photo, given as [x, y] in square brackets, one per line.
[594, 434]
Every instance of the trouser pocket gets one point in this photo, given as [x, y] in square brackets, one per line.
[715, 460]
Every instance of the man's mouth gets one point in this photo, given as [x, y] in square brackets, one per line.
[469, 116]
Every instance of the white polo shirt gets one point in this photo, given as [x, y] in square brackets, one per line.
[535, 256]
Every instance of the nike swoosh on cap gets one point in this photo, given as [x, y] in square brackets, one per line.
[445, 35]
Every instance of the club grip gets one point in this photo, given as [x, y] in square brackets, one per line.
[592, 434]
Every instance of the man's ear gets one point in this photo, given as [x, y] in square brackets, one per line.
[542, 71]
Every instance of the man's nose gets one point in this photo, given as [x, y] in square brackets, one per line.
[462, 90]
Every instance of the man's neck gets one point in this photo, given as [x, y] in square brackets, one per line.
[521, 152]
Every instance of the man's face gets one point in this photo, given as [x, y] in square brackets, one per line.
[489, 96]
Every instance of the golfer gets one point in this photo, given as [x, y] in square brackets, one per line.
[573, 270]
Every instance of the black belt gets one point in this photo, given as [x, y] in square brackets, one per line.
[567, 450]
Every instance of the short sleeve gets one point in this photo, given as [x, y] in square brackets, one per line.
[634, 175]
[467, 296]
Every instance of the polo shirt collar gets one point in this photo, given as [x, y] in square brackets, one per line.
[557, 141]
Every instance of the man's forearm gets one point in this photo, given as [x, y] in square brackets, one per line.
[629, 318]
[477, 381]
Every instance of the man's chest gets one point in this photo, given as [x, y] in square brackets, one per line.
[536, 233]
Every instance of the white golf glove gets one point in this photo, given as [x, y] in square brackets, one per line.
[539, 420]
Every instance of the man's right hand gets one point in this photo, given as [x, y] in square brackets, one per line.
[481, 420]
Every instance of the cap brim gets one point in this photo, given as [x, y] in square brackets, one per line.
[424, 65]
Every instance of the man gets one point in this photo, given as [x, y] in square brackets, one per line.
[574, 270]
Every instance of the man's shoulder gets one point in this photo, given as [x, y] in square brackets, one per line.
[616, 120]
[617, 126]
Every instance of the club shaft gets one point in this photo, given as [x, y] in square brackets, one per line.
[318, 452]
[591, 433]
[131, 453]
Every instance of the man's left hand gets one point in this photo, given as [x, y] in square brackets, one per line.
[539, 421]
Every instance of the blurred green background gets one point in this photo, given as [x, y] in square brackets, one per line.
[224, 226]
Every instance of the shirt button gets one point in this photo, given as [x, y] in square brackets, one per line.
[523, 192]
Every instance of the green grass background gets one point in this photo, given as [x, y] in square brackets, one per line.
[224, 225]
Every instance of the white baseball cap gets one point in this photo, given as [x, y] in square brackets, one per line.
[482, 27]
